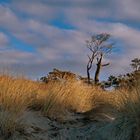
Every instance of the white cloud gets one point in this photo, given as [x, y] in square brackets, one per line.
[29, 21]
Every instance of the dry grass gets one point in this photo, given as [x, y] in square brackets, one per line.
[130, 110]
[55, 99]
[127, 123]
[15, 96]
[73, 96]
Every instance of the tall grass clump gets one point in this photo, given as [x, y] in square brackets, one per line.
[126, 125]
[130, 110]
[56, 98]
[16, 95]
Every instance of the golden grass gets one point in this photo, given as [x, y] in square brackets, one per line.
[130, 109]
[127, 105]
[73, 96]
[55, 99]
[15, 96]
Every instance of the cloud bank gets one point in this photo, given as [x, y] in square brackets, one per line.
[36, 36]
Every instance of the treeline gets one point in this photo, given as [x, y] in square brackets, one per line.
[128, 80]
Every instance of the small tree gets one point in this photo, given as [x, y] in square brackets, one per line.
[113, 81]
[135, 64]
[98, 50]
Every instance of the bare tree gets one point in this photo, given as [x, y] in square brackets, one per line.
[92, 45]
[98, 50]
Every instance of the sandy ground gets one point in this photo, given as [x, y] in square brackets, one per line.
[38, 127]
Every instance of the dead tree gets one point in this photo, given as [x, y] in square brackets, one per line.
[98, 50]
[92, 46]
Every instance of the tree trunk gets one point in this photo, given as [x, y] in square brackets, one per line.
[97, 73]
[98, 69]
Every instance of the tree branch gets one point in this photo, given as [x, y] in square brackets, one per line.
[103, 65]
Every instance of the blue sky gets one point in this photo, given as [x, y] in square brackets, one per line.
[38, 35]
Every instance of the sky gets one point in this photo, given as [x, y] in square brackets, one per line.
[39, 35]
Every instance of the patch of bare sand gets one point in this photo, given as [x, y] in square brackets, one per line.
[38, 127]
